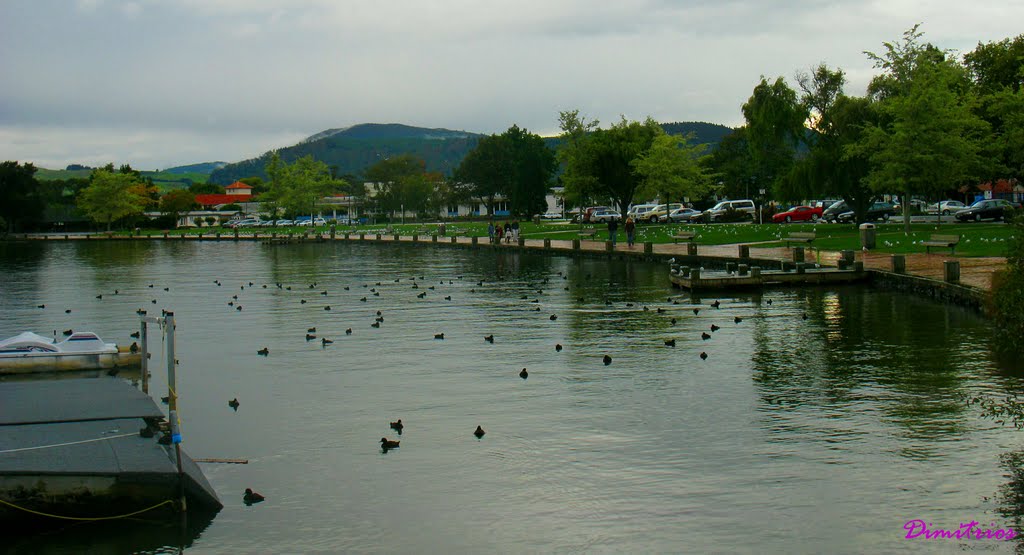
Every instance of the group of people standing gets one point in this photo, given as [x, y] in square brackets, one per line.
[509, 232]
[629, 226]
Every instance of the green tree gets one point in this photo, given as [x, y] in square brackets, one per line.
[205, 189]
[175, 202]
[400, 183]
[928, 139]
[516, 165]
[601, 164]
[21, 198]
[486, 172]
[732, 165]
[578, 187]
[111, 196]
[297, 188]
[533, 166]
[258, 185]
[775, 127]
[672, 168]
[997, 70]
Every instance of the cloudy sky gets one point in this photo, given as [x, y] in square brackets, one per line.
[159, 83]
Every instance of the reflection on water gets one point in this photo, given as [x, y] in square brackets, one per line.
[821, 420]
[113, 537]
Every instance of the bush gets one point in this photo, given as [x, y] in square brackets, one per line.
[732, 216]
[1008, 291]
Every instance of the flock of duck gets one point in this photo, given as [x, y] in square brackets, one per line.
[311, 334]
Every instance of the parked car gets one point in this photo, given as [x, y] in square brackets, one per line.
[638, 209]
[284, 223]
[605, 216]
[306, 222]
[831, 214]
[588, 212]
[551, 216]
[799, 214]
[946, 207]
[659, 213]
[995, 208]
[877, 211]
[684, 215]
[249, 222]
[716, 212]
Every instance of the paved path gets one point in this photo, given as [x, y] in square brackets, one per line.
[974, 271]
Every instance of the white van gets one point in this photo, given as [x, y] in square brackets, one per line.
[719, 210]
[638, 209]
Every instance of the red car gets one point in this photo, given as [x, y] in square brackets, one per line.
[799, 214]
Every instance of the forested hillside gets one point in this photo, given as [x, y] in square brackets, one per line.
[349, 151]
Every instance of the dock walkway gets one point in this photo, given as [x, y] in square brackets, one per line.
[73, 448]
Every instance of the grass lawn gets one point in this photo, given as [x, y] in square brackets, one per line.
[986, 239]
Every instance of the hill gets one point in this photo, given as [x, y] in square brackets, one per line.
[351, 150]
[203, 168]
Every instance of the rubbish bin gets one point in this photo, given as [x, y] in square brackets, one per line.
[441, 229]
[867, 236]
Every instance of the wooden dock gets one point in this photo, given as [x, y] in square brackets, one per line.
[740, 277]
[77, 449]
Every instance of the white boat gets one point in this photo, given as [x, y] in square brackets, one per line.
[31, 352]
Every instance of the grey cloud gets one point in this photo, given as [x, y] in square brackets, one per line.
[233, 76]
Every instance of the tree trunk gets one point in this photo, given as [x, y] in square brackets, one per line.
[906, 213]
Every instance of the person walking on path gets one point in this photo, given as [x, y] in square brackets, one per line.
[613, 229]
[508, 232]
[490, 232]
[515, 230]
[630, 231]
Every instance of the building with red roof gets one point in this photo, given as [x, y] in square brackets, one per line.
[235, 193]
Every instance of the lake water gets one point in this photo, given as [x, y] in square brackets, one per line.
[824, 434]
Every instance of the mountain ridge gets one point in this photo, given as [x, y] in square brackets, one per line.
[350, 150]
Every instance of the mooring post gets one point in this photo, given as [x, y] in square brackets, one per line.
[547, 243]
[691, 248]
[744, 251]
[730, 267]
[475, 240]
[575, 244]
[522, 241]
[433, 238]
[755, 272]
[952, 271]
[798, 254]
[648, 247]
[695, 274]
[144, 349]
[608, 246]
[899, 264]
[742, 270]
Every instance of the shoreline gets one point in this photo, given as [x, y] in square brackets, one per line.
[928, 275]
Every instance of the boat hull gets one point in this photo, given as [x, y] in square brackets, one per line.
[59, 362]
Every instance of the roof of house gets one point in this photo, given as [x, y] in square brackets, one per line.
[238, 185]
[212, 200]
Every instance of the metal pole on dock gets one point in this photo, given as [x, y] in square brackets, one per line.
[172, 403]
[144, 340]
